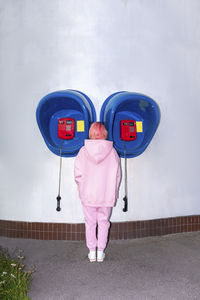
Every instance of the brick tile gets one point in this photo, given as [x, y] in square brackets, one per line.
[82, 228]
[29, 226]
[78, 236]
[69, 228]
[55, 227]
[82, 236]
[121, 236]
[121, 230]
[73, 236]
[59, 227]
[41, 235]
[115, 227]
[55, 235]
[51, 236]
[112, 236]
[50, 226]
[69, 236]
[125, 235]
[46, 226]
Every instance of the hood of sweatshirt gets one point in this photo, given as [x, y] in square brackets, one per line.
[98, 150]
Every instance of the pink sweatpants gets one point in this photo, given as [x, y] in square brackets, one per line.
[94, 216]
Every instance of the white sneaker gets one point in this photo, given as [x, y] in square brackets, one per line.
[92, 256]
[100, 256]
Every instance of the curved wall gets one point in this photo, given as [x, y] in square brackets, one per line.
[103, 47]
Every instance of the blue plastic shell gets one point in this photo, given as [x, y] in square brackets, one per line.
[64, 104]
[125, 105]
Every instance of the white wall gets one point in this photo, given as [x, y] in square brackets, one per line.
[99, 47]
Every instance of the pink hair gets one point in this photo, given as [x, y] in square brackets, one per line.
[98, 131]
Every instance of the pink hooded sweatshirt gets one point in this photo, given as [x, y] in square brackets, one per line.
[97, 173]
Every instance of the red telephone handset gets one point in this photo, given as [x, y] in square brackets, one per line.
[128, 130]
[66, 128]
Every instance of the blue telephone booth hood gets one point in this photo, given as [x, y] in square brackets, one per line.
[65, 104]
[125, 105]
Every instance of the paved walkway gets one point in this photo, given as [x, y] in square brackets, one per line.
[162, 268]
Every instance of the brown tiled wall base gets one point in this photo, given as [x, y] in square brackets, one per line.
[76, 232]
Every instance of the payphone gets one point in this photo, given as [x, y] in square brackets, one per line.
[64, 118]
[131, 120]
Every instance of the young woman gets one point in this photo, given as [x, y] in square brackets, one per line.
[97, 173]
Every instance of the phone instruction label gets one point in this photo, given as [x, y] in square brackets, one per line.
[139, 126]
[80, 126]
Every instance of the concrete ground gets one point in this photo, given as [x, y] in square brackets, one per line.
[163, 268]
